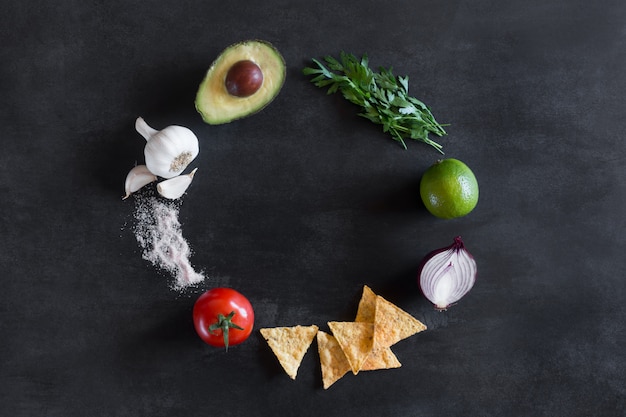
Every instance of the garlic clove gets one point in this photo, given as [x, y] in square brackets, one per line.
[174, 188]
[137, 177]
[168, 152]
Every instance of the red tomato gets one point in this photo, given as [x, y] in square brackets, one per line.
[223, 317]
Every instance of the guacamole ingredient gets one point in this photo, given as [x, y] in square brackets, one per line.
[223, 317]
[242, 81]
[159, 234]
[383, 98]
[447, 274]
[449, 189]
[174, 188]
[136, 179]
[169, 151]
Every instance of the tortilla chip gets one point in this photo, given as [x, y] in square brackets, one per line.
[393, 324]
[367, 306]
[332, 359]
[289, 344]
[382, 358]
[356, 340]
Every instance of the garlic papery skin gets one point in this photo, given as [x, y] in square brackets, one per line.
[175, 187]
[137, 177]
[169, 151]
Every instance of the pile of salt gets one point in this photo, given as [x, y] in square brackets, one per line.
[159, 234]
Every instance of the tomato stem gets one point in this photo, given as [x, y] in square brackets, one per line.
[224, 323]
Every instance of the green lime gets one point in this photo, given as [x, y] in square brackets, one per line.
[449, 189]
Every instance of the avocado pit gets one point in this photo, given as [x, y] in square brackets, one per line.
[243, 79]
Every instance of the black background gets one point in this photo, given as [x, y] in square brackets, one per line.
[302, 204]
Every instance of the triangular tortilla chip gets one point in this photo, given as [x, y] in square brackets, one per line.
[382, 358]
[393, 324]
[332, 359]
[289, 344]
[356, 340]
[367, 306]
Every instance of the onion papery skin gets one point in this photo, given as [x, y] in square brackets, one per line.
[447, 274]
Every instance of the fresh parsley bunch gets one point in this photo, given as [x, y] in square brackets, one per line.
[383, 98]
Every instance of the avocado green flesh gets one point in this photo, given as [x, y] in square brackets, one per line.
[214, 102]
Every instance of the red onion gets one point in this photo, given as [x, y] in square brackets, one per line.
[447, 274]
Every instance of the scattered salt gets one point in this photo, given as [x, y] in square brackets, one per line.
[159, 234]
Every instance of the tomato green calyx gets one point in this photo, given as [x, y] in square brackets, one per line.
[224, 323]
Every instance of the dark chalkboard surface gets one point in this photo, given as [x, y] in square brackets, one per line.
[301, 205]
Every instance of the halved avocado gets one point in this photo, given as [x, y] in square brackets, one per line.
[214, 101]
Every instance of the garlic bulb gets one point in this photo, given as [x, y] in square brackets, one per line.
[137, 178]
[175, 187]
[168, 151]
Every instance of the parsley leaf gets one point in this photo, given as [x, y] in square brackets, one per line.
[384, 98]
